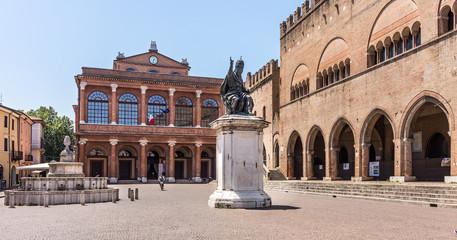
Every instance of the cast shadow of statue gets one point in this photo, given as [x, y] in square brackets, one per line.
[277, 207]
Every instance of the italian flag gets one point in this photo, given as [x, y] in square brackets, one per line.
[151, 119]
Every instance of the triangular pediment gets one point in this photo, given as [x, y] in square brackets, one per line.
[153, 59]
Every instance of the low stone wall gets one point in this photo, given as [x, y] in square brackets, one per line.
[63, 183]
[30, 198]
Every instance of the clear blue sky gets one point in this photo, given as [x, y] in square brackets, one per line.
[45, 43]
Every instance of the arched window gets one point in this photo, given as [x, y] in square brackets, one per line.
[450, 20]
[437, 147]
[382, 57]
[175, 73]
[277, 155]
[97, 108]
[264, 113]
[125, 153]
[153, 71]
[179, 154]
[400, 46]
[184, 112]
[391, 51]
[409, 42]
[210, 112]
[204, 154]
[128, 109]
[130, 69]
[418, 38]
[156, 104]
[96, 152]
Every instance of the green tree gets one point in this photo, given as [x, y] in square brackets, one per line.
[57, 127]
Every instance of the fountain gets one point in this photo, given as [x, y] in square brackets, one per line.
[64, 184]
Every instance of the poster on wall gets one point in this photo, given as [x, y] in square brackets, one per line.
[374, 169]
[417, 142]
[345, 166]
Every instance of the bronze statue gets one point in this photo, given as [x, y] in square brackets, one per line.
[234, 95]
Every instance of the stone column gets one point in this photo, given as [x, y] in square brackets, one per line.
[309, 165]
[113, 161]
[113, 107]
[415, 33]
[199, 108]
[143, 163]
[332, 169]
[82, 155]
[171, 105]
[143, 106]
[198, 162]
[395, 47]
[408, 156]
[366, 159]
[290, 165]
[82, 102]
[453, 173]
[171, 165]
[398, 163]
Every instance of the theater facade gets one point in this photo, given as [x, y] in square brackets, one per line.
[114, 131]
[366, 91]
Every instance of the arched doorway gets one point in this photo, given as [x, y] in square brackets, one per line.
[276, 160]
[428, 130]
[342, 152]
[377, 138]
[97, 162]
[316, 155]
[208, 163]
[295, 157]
[183, 163]
[155, 162]
[127, 156]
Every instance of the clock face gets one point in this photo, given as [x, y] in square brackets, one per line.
[153, 60]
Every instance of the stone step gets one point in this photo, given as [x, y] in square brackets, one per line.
[444, 196]
[276, 174]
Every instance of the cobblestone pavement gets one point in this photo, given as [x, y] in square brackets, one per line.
[181, 212]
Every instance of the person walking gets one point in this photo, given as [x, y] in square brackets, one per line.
[161, 181]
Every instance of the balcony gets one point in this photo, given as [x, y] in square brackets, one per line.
[28, 158]
[16, 155]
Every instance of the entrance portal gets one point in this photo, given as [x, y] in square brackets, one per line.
[125, 168]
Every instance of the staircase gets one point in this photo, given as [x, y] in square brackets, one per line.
[276, 174]
[433, 195]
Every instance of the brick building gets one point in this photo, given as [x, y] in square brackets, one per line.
[366, 91]
[16, 143]
[115, 137]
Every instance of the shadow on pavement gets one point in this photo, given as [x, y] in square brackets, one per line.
[276, 207]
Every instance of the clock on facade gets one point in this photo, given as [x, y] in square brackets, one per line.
[153, 60]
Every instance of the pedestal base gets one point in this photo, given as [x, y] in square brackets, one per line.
[361, 179]
[113, 180]
[328, 179]
[308, 178]
[171, 179]
[197, 179]
[450, 179]
[402, 178]
[239, 199]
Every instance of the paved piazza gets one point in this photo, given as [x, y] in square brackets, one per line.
[181, 212]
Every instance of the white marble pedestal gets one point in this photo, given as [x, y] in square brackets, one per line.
[239, 163]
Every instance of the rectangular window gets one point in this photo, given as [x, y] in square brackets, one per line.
[5, 144]
[12, 145]
[12, 124]
[6, 122]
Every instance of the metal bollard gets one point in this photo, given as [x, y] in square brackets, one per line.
[136, 193]
[113, 196]
[46, 200]
[11, 200]
[129, 192]
[82, 198]
[132, 198]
